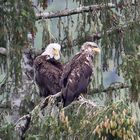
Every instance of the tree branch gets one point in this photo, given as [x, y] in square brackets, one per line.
[119, 28]
[114, 86]
[24, 122]
[67, 12]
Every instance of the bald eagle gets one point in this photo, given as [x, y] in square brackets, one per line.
[77, 73]
[48, 70]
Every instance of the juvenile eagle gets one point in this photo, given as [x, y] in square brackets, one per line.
[48, 70]
[77, 73]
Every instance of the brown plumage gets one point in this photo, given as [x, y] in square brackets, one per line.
[47, 75]
[77, 73]
[48, 71]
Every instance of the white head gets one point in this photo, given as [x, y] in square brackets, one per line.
[53, 51]
[90, 46]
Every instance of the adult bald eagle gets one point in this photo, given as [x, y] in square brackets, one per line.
[48, 70]
[77, 73]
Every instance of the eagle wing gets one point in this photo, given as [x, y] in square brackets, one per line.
[47, 75]
[67, 70]
[77, 78]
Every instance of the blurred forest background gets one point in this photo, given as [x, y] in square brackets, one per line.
[111, 110]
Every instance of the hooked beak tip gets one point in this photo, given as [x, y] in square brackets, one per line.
[97, 50]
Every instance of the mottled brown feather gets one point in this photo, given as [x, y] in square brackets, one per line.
[76, 77]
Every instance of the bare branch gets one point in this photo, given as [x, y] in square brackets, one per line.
[67, 12]
[115, 86]
[51, 97]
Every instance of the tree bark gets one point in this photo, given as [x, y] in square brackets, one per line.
[27, 118]
[115, 86]
[67, 12]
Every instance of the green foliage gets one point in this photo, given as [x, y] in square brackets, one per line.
[118, 124]
[7, 131]
[6, 127]
[82, 121]
[17, 20]
[131, 72]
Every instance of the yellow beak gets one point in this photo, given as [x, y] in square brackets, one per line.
[55, 52]
[97, 50]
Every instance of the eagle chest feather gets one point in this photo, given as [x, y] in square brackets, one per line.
[48, 74]
[83, 66]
